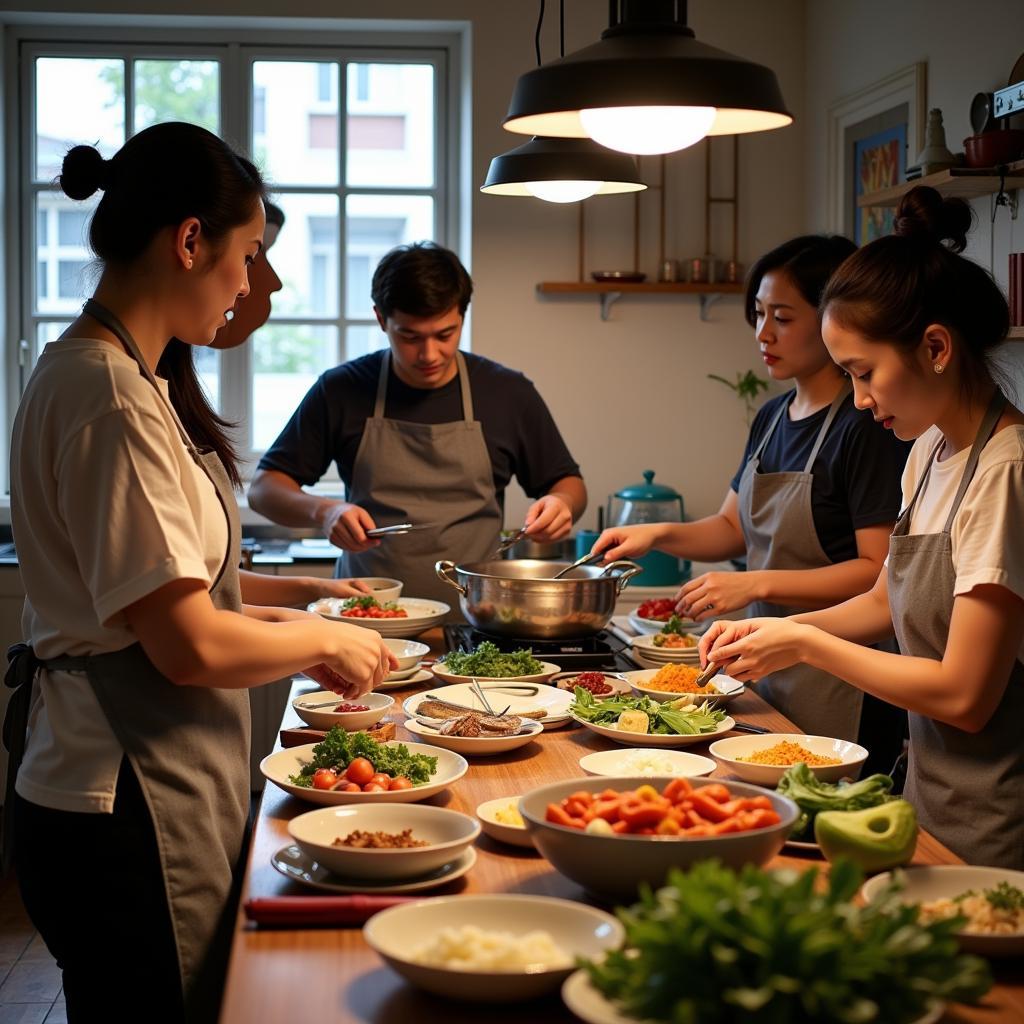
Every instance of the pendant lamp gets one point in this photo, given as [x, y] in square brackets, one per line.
[561, 171]
[647, 87]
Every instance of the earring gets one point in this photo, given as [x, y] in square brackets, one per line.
[938, 367]
[188, 266]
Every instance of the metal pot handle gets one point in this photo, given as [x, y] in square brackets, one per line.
[628, 571]
[442, 569]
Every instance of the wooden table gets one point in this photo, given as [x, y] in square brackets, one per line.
[331, 975]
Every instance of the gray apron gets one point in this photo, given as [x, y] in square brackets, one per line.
[777, 519]
[433, 474]
[189, 748]
[968, 788]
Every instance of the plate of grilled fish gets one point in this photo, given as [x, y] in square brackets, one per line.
[476, 734]
[533, 701]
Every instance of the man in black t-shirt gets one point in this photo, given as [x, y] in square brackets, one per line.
[420, 433]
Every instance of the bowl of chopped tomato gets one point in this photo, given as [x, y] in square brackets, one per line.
[323, 709]
[611, 834]
[406, 617]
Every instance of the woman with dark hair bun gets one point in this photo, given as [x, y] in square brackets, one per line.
[811, 504]
[130, 794]
[914, 323]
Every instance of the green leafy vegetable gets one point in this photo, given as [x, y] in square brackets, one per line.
[338, 749]
[674, 625]
[812, 795]
[674, 716]
[1005, 897]
[487, 660]
[719, 947]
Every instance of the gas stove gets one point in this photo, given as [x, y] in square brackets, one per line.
[600, 651]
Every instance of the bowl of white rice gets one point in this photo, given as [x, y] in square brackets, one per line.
[646, 761]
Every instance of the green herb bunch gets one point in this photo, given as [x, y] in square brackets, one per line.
[368, 602]
[487, 660]
[674, 716]
[757, 947]
[338, 749]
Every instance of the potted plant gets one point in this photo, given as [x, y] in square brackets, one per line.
[746, 387]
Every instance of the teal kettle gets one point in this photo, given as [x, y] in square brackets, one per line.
[649, 502]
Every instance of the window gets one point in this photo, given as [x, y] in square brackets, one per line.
[348, 136]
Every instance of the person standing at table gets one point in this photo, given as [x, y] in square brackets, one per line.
[915, 324]
[420, 433]
[812, 502]
[130, 803]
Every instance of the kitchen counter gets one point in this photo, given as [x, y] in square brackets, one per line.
[330, 974]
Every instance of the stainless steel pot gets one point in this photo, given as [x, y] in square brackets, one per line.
[518, 598]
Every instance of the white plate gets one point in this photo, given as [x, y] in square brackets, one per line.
[655, 625]
[640, 680]
[799, 844]
[322, 717]
[549, 670]
[616, 680]
[277, 767]
[418, 677]
[676, 762]
[547, 698]
[475, 746]
[727, 753]
[655, 739]
[514, 835]
[422, 615]
[294, 864]
[925, 884]
[646, 646]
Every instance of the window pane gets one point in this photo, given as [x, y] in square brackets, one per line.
[177, 90]
[305, 256]
[78, 100]
[71, 226]
[207, 362]
[298, 143]
[362, 339]
[286, 359]
[375, 224]
[390, 125]
[47, 332]
[64, 273]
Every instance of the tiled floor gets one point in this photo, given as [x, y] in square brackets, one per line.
[29, 979]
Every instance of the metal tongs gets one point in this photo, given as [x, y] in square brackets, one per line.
[397, 530]
[706, 674]
[509, 542]
[589, 557]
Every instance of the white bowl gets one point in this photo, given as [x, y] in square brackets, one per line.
[925, 884]
[408, 652]
[656, 625]
[447, 832]
[651, 739]
[729, 688]
[547, 672]
[577, 929]
[646, 646]
[726, 752]
[614, 866]
[616, 680]
[421, 615]
[514, 835]
[279, 766]
[381, 587]
[624, 762]
[322, 717]
[401, 674]
[475, 746]
[517, 696]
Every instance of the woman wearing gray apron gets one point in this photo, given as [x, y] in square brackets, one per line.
[953, 589]
[130, 804]
[454, 501]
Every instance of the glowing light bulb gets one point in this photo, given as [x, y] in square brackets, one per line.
[563, 191]
[647, 130]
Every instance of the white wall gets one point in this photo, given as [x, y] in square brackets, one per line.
[968, 49]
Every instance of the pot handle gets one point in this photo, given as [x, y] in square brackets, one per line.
[442, 569]
[629, 570]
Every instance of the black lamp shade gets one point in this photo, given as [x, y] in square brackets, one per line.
[543, 159]
[636, 68]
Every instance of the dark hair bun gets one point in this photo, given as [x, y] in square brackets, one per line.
[83, 172]
[923, 214]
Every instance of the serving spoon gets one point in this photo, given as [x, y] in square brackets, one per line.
[586, 559]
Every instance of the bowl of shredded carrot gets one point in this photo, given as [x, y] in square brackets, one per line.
[670, 682]
[763, 759]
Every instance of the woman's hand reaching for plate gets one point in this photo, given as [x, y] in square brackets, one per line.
[362, 661]
[750, 649]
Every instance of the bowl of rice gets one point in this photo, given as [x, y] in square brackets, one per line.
[646, 761]
[991, 899]
[764, 759]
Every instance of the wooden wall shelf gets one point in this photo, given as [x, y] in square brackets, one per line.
[1015, 334]
[611, 291]
[963, 182]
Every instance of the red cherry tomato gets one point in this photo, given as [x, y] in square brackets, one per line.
[324, 778]
[400, 782]
[347, 787]
[381, 780]
[360, 770]
[373, 787]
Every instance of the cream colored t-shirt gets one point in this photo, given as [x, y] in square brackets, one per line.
[107, 506]
[988, 531]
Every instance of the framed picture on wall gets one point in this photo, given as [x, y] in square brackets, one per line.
[873, 134]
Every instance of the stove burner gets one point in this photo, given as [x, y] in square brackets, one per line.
[603, 650]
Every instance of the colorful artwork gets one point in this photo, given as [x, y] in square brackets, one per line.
[879, 161]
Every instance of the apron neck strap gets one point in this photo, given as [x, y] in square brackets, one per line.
[985, 431]
[109, 320]
[767, 436]
[382, 387]
[833, 411]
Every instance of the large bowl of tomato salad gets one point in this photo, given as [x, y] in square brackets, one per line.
[650, 824]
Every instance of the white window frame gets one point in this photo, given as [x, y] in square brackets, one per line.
[236, 47]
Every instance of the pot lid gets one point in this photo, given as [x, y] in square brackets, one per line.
[648, 490]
